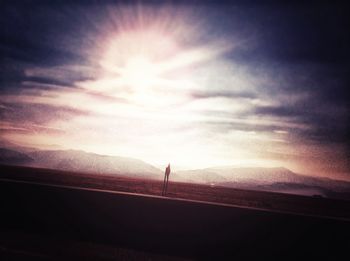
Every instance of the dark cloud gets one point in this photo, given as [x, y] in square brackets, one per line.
[323, 126]
[41, 36]
[306, 48]
[302, 49]
[227, 94]
[11, 74]
[324, 83]
[34, 52]
[32, 35]
[279, 111]
[294, 33]
[46, 81]
[34, 113]
[220, 126]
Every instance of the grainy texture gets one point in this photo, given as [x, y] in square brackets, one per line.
[259, 199]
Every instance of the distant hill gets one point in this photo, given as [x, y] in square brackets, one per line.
[242, 175]
[13, 157]
[80, 161]
[75, 160]
[267, 179]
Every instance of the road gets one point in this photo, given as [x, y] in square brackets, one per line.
[166, 226]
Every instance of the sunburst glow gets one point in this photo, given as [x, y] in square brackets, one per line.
[135, 57]
[197, 85]
[139, 72]
[149, 65]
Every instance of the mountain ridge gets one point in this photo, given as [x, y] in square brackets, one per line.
[271, 179]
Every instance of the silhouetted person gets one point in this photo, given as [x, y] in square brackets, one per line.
[166, 180]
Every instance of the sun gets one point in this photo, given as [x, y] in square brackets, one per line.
[139, 72]
[149, 66]
[136, 57]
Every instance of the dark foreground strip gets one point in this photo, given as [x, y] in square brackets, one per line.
[168, 226]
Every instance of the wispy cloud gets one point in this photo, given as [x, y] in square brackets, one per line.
[200, 87]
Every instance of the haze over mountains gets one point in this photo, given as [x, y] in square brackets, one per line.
[80, 161]
[269, 179]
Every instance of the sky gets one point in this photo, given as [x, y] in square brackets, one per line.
[194, 83]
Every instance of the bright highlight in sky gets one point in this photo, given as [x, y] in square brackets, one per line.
[139, 72]
[182, 84]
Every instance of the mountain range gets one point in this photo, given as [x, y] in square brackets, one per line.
[80, 161]
[268, 179]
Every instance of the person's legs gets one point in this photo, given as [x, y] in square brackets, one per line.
[166, 184]
[163, 189]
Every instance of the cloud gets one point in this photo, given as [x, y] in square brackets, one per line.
[229, 94]
[36, 113]
[227, 83]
